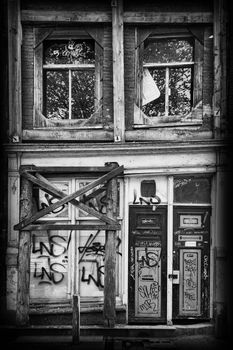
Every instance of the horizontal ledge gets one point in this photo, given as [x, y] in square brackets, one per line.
[67, 169]
[128, 148]
[63, 134]
[69, 66]
[106, 16]
[168, 64]
[38, 227]
[165, 125]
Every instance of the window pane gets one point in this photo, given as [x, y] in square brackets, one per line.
[56, 96]
[157, 106]
[180, 91]
[69, 52]
[167, 50]
[49, 265]
[192, 190]
[83, 84]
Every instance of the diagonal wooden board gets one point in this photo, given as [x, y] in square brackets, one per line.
[69, 198]
[48, 187]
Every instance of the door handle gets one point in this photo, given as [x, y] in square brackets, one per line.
[175, 276]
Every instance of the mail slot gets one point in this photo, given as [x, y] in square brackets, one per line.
[191, 245]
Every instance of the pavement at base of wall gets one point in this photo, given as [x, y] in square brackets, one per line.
[98, 343]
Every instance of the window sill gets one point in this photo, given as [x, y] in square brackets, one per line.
[166, 125]
[58, 134]
[94, 127]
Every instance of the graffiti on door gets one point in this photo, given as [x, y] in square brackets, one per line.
[191, 281]
[148, 281]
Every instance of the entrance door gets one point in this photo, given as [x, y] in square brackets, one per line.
[191, 262]
[147, 264]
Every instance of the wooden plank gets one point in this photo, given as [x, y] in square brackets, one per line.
[105, 17]
[54, 191]
[65, 16]
[167, 17]
[65, 169]
[68, 227]
[22, 305]
[219, 95]
[38, 78]
[67, 134]
[68, 198]
[118, 71]
[109, 311]
[14, 70]
[217, 69]
[197, 74]
[76, 320]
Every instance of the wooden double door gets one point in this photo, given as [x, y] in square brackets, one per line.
[147, 274]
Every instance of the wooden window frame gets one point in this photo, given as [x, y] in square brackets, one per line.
[60, 131]
[197, 70]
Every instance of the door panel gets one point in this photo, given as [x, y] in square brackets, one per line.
[147, 264]
[191, 260]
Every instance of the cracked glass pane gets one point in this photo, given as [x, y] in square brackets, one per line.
[157, 106]
[180, 91]
[168, 50]
[69, 52]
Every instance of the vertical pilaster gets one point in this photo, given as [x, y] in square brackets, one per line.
[118, 70]
[110, 257]
[14, 69]
[26, 210]
[220, 69]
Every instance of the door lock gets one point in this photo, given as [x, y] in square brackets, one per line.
[175, 276]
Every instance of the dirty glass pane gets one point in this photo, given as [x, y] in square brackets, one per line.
[180, 91]
[91, 257]
[167, 50]
[192, 189]
[156, 108]
[69, 52]
[49, 261]
[83, 85]
[56, 95]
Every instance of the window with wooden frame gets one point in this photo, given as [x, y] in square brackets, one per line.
[169, 76]
[68, 78]
[63, 262]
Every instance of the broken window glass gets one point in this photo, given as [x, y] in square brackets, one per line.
[192, 189]
[167, 79]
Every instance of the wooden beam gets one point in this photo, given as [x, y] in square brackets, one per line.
[68, 198]
[76, 320]
[68, 227]
[167, 17]
[22, 305]
[54, 191]
[14, 70]
[65, 16]
[118, 70]
[54, 16]
[80, 134]
[110, 258]
[219, 95]
[64, 169]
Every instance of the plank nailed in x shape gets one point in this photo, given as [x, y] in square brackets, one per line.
[50, 189]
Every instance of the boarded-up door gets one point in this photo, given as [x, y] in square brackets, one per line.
[147, 264]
